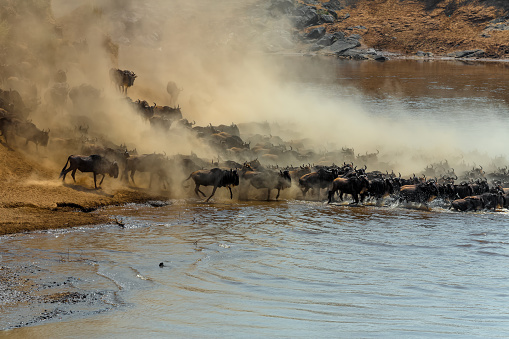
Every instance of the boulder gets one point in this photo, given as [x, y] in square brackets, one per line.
[333, 5]
[363, 54]
[476, 53]
[422, 54]
[315, 33]
[305, 16]
[327, 40]
[342, 45]
[326, 18]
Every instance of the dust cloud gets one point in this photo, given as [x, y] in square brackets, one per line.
[217, 53]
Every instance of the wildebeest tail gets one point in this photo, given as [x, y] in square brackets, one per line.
[189, 177]
[63, 169]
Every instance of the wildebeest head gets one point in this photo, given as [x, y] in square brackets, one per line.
[287, 179]
[235, 177]
[44, 138]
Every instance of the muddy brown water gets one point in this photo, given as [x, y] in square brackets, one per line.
[288, 268]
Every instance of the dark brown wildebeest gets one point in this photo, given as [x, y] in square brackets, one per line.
[8, 129]
[420, 193]
[214, 177]
[322, 178]
[154, 163]
[354, 185]
[93, 163]
[123, 79]
[173, 91]
[30, 132]
[470, 203]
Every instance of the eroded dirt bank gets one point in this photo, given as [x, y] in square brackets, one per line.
[33, 198]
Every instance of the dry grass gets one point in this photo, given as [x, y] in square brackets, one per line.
[409, 26]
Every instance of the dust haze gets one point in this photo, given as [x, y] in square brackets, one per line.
[229, 59]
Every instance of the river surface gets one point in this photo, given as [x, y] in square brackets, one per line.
[288, 268]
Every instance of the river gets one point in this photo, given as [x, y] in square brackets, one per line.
[289, 268]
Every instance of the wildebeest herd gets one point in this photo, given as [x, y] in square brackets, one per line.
[475, 190]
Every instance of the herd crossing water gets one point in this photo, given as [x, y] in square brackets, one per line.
[296, 268]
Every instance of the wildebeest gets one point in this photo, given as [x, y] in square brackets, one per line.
[170, 113]
[85, 97]
[93, 163]
[173, 91]
[470, 203]
[461, 191]
[268, 179]
[317, 180]
[123, 79]
[379, 187]
[154, 163]
[8, 129]
[214, 177]
[354, 185]
[57, 95]
[30, 132]
[419, 192]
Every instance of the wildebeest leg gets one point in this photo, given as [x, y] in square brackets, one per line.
[268, 194]
[95, 180]
[331, 196]
[197, 189]
[278, 190]
[132, 177]
[73, 174]
[150, 180]
[231, 194]
[102, 179]
[304, 191]
[213, 191]
[355, 198]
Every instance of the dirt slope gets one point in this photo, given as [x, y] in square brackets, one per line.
[32, 197]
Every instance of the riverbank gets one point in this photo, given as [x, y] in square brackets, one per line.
[33, 198]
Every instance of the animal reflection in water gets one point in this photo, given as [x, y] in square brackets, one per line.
[214, 177]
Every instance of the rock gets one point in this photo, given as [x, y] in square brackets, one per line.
[305, 16]
[476, 53]
[326, 40]
[380, 57]
[424, 54]
[338, 36]
[333, 5]
[327, 18]
[315, 33]
[342, 45]
[363, 54]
